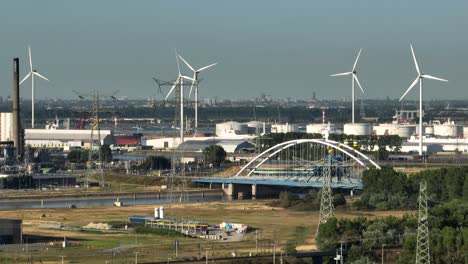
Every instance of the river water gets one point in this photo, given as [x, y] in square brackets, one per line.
[67, 202]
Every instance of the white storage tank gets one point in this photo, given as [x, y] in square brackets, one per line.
[448, 130]
[257, 127]
[386, 129]
[318, 128]
[358, 129]
[465, 131]
[406, 131]
[161, 212]
[231, 128]
[429, 130]
[284, 128]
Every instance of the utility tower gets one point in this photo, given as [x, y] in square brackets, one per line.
[326, 202]
[94, 167]
[422, 248]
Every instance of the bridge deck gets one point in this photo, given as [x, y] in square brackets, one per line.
[275, 182]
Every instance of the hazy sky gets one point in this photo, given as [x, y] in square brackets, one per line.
[281, 48]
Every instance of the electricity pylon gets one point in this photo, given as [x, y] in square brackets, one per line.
[422, 248]
[327, 209]
[94, 167]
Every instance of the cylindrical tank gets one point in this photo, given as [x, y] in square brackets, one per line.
[358, 129]
[448, 130]
[284, 128]
[318, 128]
[231, 128]
[406, 131]
[386, 129]
[429, 130]
[156, 212]
[465, 131]
[161, 212]
[257, 127]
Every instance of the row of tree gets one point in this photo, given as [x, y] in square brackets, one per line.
[364, 238]
[17, 182]
[387, 189]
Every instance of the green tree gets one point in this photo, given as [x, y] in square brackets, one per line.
[106, 153]
[328, 234]
[155, 163]
[78, 156]
[215, 155]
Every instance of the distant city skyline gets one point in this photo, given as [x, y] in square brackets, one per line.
[282, 49]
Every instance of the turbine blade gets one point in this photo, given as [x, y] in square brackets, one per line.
[411, 86]
[206, 67]
[193, 82]
[427, 76]
[172, 89]
[30, 59]
[415, 61]
[342, 74]
[187, 78]
[357, 58]
[186, 63]
[37, 74]
[357, 81]
[26, 77]
[177, 60]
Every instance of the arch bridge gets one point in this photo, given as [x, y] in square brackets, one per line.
[300, 163]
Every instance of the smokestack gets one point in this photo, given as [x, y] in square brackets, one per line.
[16, 111]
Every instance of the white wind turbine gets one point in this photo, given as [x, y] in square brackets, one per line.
[419, 79]
[353, 78]
[31, 74]
[195, 82]
[180, 82]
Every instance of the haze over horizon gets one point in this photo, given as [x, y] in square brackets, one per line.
[278, 48]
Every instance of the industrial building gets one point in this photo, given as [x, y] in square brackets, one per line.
[11, 231]
[6, 126]
[62, 138]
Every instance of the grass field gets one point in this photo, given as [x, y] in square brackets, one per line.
[273, 225]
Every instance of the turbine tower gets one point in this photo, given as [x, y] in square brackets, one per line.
[353, 78]
[195, 82]
[180, 83]
[31, 74]
[419, 79]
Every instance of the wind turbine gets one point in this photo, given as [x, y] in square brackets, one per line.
[419, 79]
[353, 78]
[180, 82]
[195, 81]
[31, 74]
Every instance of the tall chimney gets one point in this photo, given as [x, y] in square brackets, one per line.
[16, 110]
